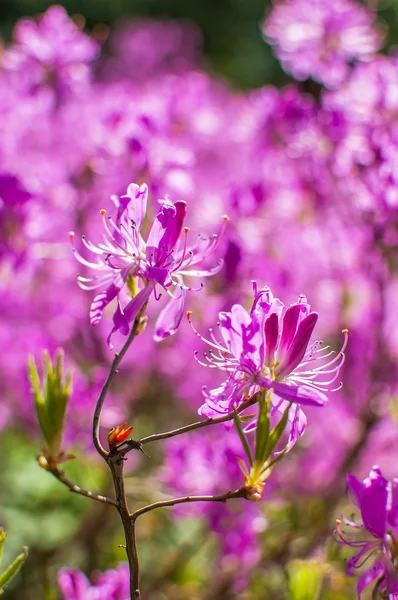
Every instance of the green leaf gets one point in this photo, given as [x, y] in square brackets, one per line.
[277, 432]
[262, 430]
[40, 401]
[13, 569]
[243, 438]
[305, 580]
[3, 537]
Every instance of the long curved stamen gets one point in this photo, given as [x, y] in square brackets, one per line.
[95, 284]
[109, 232]
[191, 289]
[340, 356]
[209, 364]
[173, 295]
[342, 536]
[213, 337]
[367, 556]
[124, 232]
[322, 370]
[86, 263]
[214, 360]
[107, 247]
[311, 358]
[336, 389]
[90, 246]
[217, 238]
[184, 250]
[201, 273]
[200, 336]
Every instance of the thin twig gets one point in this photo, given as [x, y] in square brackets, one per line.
[240, 493]
[61, 476]
[135, 330]
[116, 464]
[198, 425]
[115, 461]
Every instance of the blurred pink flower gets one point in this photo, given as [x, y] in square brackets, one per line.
[318, 39]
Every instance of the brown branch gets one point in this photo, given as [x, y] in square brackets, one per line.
[115, 461]
[61, 476]
[240, 493]
[192, 426]
[135, 330]
[116, 464]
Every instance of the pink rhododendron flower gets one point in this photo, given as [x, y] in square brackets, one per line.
[314, 38]
[374, 540]
[125, 259]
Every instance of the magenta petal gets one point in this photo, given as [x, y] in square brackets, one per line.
[120, 323]
[393, 512]
[170, 317]
[271, 331]
[289, 328]
[73, 584]
[370, 575]
[122, 319]
[231, 327]
[166, 228]
[135, 202]
[374, 503]
[101, 300]
[297, 422]
[159, 275]
[355, 489]
[298, 425]
[299, 394]
[134, 306]
[298, 347]
[175, 226]
[390, 581]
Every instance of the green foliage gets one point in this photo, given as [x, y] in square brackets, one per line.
[262, 429]
[305, 580]
[51, 398]
[13, 569]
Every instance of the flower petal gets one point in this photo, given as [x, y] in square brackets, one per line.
[271, 331]
[166, 228]
[73, 583]
[299, 394]
[231, 327]
[290, 321]
[374, 572]
[393, 512]
[298, 347]
[101, 300]
[123, 318]
[374, 499]
[159, 275]
[170, 317]
[355, 489]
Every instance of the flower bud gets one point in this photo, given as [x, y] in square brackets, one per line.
[51, 398]
[119, 434]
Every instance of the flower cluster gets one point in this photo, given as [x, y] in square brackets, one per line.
[111, 585]
[318, 39]
[308, 176]
[375, 539]
[124, 259]
[269, 348]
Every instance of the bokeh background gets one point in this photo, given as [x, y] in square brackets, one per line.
[190, 97]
